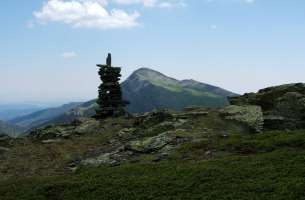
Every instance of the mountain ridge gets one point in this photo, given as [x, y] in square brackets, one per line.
[146, 90]
[11, 111]
[42, 116]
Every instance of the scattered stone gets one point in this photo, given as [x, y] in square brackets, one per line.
[4, 137]
[105, 158]
[153, 118]
[89, 126]
[50, 141]
[188, 115]
[51, 132]
[166, 150]
[5, 140]
[225, 135]
[4, 149]
[86, 126]
[208, 153]
[160, 157]
[127, 132]
[78, 121]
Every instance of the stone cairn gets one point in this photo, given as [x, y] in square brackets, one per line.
[110, 99]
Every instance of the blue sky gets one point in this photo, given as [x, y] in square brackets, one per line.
[49, 48]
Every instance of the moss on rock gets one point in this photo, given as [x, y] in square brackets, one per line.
[251, 116]
[283, 106]
[152, 143]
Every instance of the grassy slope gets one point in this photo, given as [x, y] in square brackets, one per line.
[160, 97]
[263, 166]
[147, 90]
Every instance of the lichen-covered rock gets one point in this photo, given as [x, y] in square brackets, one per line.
[51, 132]
[88, 126]
[251, 116]
[3, 149]
[85, 126]
[126, 133]
[50, 141]
[5, 140]
[283, 106]
[192, 112]
[153, 118]
[105, 158]
[151, 144]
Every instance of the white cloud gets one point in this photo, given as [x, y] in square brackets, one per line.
[85, 13]
[249, 1]
[147, 3]
[68, 55]
[152, 3]
[213, 27]
[243, 1]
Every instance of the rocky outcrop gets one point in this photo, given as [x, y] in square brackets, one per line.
[50, 133]
[4, 139]
[106, 158]
[151, 144]
[283, 106]
[249, 115]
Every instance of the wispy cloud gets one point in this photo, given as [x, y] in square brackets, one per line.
[69, 55]
[153, 3]
[242, 1]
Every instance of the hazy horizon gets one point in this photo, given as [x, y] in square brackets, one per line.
[50, 48]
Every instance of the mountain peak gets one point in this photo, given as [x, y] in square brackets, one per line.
[152, 76]
[148, 89]
[145, 70]
[147, 73]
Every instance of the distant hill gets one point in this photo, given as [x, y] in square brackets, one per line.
[10, 129]
[38, 118]
[86, 109]
[11, 111]
[147, 89]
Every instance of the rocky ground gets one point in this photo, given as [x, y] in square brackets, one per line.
[254, 130]
[148, 138]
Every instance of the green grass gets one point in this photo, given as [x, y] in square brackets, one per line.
[276, 175]
[263, 142]
[168, 86]
[273, 168]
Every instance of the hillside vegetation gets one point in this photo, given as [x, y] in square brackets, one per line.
[10, 129]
